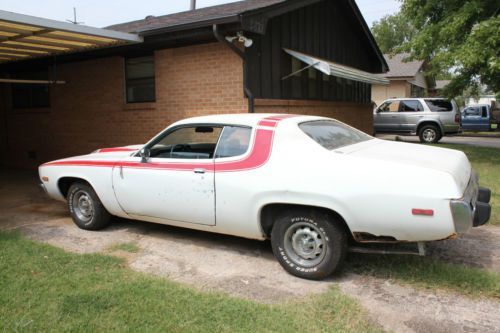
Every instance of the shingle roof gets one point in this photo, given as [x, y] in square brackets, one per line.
[399, 68]
[440, 84]
[192, 16]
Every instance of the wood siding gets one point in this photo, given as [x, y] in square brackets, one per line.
[328, 30]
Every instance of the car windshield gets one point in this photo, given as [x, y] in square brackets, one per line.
[332, 134]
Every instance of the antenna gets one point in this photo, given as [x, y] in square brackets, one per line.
[74, 21]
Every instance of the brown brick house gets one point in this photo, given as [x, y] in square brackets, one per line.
[189, 65]
[407, 79]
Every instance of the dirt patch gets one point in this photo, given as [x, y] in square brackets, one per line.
[247, 268]
[405, 309]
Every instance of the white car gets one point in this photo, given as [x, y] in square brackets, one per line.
[310, 184]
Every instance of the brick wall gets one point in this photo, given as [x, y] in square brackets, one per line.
[88, 112]
[354, 114]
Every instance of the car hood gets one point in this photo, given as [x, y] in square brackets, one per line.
[453, 162]
[105, 155]
[125, 151]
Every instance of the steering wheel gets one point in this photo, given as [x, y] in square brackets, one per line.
[181, 148]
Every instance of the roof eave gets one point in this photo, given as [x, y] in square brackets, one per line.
[189, 26]
[68, 27]
[380, 55]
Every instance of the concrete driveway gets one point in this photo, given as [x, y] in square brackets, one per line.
[246, 268]
[463, 140]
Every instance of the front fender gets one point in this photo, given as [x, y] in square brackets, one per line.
[100, 178]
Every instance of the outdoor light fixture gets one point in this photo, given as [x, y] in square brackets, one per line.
[241, 38]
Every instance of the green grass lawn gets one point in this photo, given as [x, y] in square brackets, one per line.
[47, 289]
[486, 161]
[131, 247]
[427, 273]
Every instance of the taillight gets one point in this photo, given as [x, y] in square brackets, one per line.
[425, 212]
[457, 118]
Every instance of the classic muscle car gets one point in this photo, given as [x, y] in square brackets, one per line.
[311, 185]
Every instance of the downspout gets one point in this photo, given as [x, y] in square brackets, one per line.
[248, 92]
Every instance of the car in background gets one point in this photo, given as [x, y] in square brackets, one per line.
[429, 118]
[311, 185]
[479, 117]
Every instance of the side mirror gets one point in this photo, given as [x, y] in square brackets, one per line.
[144, 153]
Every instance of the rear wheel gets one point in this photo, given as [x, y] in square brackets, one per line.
[309, 244]
[85, 207]
[429, 134]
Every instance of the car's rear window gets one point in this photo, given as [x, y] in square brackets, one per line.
[439, 105]
[332, 134]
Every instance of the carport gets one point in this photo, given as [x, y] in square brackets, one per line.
[24, 37]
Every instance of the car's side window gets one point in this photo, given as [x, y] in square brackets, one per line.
[469, 112]
[392, 106]
[197, 142]
[234, 141]
[410, 106]
[484, 111]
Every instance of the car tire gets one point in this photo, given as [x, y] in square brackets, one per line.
[85, 207]
[309, 244]
[429, 134]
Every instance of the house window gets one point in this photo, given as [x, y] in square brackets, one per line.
[417, 91]
[29, 95]
[140, 79]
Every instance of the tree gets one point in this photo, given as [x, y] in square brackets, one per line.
[392, 31]
[462, 36]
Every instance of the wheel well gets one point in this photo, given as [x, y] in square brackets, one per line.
[65, 183]
[424, 123]
[270, 212]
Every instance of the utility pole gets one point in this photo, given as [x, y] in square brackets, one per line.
[193, 5]
[74, 18]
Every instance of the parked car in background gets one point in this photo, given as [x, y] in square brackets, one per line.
[429, 118]
[311, 185]
[479, 117]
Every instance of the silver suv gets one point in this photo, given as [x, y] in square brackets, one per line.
[429, 118]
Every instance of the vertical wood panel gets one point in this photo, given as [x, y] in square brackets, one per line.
[328, 30]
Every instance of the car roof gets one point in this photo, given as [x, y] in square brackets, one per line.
[416, 98]
[244, 119]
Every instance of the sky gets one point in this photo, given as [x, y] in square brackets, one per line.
[101, 13]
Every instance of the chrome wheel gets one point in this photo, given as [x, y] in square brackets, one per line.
[83, 206]
[305, 244]
[429, 135]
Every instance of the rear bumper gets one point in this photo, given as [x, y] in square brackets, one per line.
[483, 208]
[473, 209]
[44, 189]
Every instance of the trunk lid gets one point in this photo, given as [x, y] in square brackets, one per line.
[451, 161]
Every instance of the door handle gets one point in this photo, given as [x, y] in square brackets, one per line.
[199, 170]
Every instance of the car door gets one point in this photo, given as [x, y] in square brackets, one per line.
[410, 112]
[386, 117]
[176, 182]
[484, 122]
[471, 118]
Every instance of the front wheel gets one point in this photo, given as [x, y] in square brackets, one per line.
[309, 244]
[429, 134]
[85, 207]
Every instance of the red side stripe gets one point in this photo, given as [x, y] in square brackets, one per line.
[259, 155]
[114, 150]
[267, 123]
